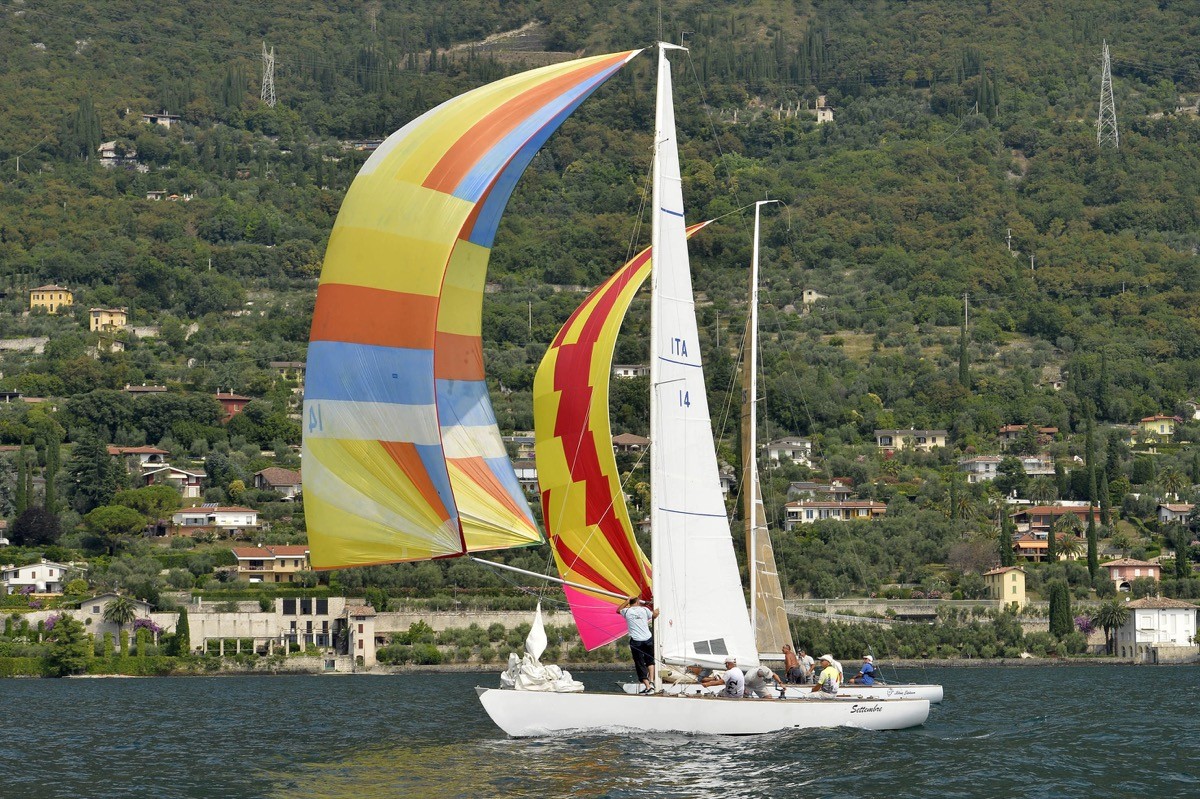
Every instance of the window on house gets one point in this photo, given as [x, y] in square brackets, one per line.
[322, 607]
[289, 607]
[360, 629]
[306, 607]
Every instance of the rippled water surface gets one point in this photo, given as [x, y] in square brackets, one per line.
[1103, 731]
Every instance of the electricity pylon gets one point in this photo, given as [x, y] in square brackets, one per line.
[1106, 123]
[268, 81]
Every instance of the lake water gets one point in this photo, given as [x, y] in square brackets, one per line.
[1102, 731]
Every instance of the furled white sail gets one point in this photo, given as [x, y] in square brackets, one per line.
[696, 587]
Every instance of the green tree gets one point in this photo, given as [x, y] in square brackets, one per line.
[1042, 490]
[1172, 481]
[183, 634]
[21, 499]
[1105, 500]
[36, 527]
[154, 502]
[1011, 476]
[1061, 622]
[1180, 537]
[1111, 616]
[1007, 556]
[113, 525]
[121, 611]
[964, 358]
[69, 649]
[51, 473]
[1093, 549]
[79, 136]
[95, 477]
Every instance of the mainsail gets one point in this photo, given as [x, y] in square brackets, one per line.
[771, 631]
[402, 456]
[696, 586]
[583, 504]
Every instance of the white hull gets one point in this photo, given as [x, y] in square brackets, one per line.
[931, 693]
[525, 713]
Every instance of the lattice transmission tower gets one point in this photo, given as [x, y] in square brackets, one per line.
[1106, 123]
[268, 81]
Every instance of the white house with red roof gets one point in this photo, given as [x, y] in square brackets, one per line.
[1124, 571]
[188, 484]
[271, 564]
[230, 520]
[1159, 630]
[144, 457]
[812, 511]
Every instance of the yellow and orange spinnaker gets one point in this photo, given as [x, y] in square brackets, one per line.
[402, 456]
[583, 505]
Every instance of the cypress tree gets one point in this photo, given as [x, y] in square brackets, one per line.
[183, 642]
[1093, 552]
[1051, 545]
[1105, 500]
[21, 500]
[1007, 556]
[1183, 562]
[1060, 478]
[1061, 622]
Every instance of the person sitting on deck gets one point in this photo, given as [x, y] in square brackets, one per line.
[706, 677]
[756, 682]
[829, 680]
[866, 675]
[735, 681]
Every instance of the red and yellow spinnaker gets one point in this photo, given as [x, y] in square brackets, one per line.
[583, 505]
[402, 456]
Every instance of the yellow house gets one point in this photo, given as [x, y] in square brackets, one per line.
[1163, 427]
[1006, 585]
[107, 319]
[51, 298]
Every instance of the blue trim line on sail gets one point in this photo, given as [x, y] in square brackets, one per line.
[672, 213]
[679, 363]
[693, 513]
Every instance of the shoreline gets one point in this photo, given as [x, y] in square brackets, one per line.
[497, 668]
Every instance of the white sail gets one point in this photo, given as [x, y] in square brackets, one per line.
[696, 585]
[771, 631]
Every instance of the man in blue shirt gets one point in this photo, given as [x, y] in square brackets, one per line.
[866, 675]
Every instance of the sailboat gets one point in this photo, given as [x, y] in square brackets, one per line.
[767, 613]
[403, 459]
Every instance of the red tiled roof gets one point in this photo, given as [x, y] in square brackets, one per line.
[1129, 562]
[261, 553]
[277, 476]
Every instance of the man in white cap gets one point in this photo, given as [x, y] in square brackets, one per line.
[828, 680]
[866, 675]
[756, 682]
[735, 681]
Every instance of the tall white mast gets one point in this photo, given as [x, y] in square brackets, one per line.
[661, 96]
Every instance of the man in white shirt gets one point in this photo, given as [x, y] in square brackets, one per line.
[641, 639]
[735, 681]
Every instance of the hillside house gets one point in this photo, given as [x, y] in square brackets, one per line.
[107, 319]
[1006, 585]
[110, 154]
[628, 442]
[790, 450]
[290, 370]
[188, 484]
[1159, 427]
[161, 118]
[519, 445]
[271, 564]
[283, 481]
[43, 577]
[1031, 548]
[143, 458]
[232, 403]
[1159, 630]
[920, 440]
[823, 111]
[812, 297]
[526, 471]
[1174, 512]
[143, 389]
[1039, 519]
[1124, 571]
[231, 520]
[626, 370]
[812, 511]
[1038, 465]
[835, 491]
[980, 468]
[91, 613]
[51, 298]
